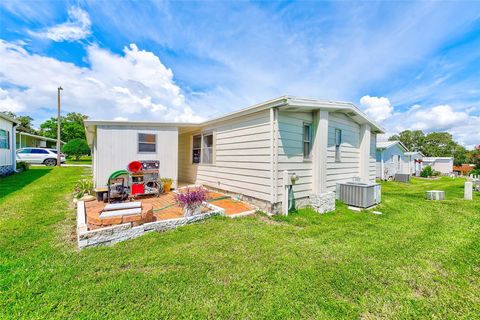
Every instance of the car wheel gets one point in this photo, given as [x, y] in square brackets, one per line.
[50, 162]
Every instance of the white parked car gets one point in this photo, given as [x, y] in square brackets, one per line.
[44, 156]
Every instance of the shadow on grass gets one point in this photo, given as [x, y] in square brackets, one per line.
[19, 180]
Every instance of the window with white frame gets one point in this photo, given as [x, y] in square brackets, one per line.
[202, 148]
[4, 139]
[399, 159]
[147, 143]
[196, 149]
[338, 143]
[307, 140]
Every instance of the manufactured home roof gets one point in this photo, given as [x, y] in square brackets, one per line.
[387, 144]
[4, 116]
[411, 153]
[286, 103]
[37, 137]
[437, 158]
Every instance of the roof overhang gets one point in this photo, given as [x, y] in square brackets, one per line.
[285, 103]
[37, 137]
[402, 146]
[4, 116]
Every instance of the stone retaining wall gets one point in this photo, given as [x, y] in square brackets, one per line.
[111, 235]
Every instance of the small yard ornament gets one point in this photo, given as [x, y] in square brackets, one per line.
[468, 192]
[435, 195]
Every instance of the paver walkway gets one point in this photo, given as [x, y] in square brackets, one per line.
[163, 207]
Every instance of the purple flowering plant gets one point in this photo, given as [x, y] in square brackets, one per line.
[191, 197]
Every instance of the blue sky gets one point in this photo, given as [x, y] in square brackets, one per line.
[408, 65]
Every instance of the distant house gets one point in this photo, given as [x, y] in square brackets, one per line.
[390, 159]
[25, 140]
[246, 152]
[413, 163]
[444, 165]
[464, 169]
[7, 144]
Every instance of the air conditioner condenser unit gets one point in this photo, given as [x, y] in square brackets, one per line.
[359, 194]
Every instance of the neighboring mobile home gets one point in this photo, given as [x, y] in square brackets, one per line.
[28, 140]
[7, 144]
[390, 159]
[246, 152]
[414, 162]
[444, 165]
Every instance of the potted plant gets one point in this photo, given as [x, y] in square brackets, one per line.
[191, 200]
[167, 184]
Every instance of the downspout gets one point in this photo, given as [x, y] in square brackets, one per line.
[275, 136]
[382, 174]
[14, 147]
[272, 161]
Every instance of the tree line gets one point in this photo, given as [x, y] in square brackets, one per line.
[437, 144]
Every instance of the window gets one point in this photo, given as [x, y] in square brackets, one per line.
[39, 151]
[207, 150]
[307, 140]
[338, 143]
[4, 139]
[197, 149]
[202, 148]
[147, 143]
[398, 162]
[23, 151]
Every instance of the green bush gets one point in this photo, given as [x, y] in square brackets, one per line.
[76, 148]
[426, 172]
[83, 187]
[22, 166]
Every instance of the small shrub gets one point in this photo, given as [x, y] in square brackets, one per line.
[191, 198]
[23, 166]
[426, 172]
[83, 187]
[76, 148]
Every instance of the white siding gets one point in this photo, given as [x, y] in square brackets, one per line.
[349, 167]
[6, 154]
[372, 158]
[187, 172]
[390, 161]
[290, 152]
[117, 146]
[241, 157]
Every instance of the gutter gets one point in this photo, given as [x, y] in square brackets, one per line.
[14, 146]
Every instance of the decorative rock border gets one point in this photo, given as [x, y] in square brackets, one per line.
[111, 235]
[323, 202]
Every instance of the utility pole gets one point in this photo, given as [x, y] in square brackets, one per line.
[59, 159]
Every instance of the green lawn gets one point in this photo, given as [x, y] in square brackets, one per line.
[82, 160]
[418, 260]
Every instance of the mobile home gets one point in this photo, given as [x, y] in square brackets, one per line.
[246, 152]
[390, 159]
[7, 144]
[414, 162]
[444, 165]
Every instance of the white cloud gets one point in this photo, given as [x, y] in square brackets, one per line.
[378, 108]
[134, 85]
[76, 28]
[7, 103]
[438, 117]
[464, 125]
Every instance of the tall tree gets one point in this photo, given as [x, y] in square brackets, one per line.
[413, 140]
[434, 144]
[71, 127]
[26, 122]
[439, 144]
